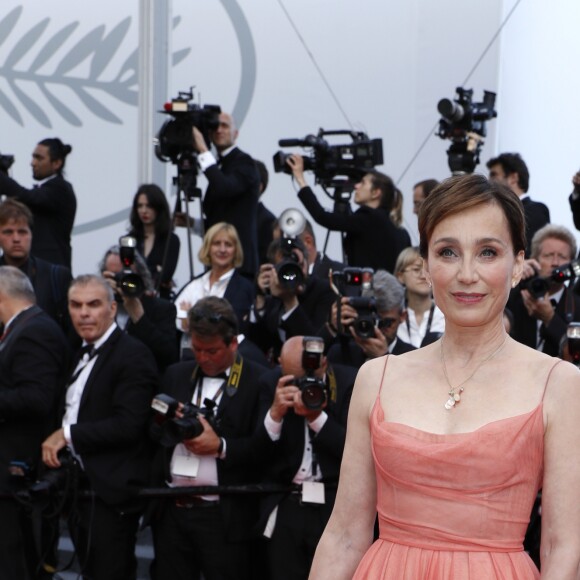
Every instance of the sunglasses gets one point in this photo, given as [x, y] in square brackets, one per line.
[213, 318]
[386, 322]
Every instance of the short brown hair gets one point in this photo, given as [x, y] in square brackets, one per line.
[231, 231]
[14, 210]
[460, 193]
[212, 316]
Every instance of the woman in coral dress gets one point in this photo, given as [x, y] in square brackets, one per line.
[451, 443]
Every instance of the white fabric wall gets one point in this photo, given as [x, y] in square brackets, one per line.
[388, 64]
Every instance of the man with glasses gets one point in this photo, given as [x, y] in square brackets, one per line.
[542, 308]
[389, 295]
[207, 533]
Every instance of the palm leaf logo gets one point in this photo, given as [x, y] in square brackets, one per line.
[98, 47]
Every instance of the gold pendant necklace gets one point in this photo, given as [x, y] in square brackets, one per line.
[455, 392]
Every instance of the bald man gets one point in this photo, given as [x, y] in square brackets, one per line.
[233, 187]
[307, 445]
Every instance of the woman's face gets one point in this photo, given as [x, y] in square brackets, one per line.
[222, 250]
[146, 213]
[472, 265]
[413, 278]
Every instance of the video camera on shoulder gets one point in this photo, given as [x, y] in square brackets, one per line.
[328, 161]
[175, 139]
[351, 282]
[314, 390]
[174, 430]
[539, 286]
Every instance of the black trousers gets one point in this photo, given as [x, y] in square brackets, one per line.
[296, 535]
[104, 538]
[190, 541]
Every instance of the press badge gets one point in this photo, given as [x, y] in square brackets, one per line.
[185, 466]
[313, 492]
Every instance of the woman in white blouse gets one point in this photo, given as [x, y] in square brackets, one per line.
[425, 322]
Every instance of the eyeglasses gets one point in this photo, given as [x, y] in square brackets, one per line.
[386, 322]
[415, 271]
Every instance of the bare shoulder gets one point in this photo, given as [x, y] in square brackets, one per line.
[562, 395]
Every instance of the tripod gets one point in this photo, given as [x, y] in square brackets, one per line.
[342, 190]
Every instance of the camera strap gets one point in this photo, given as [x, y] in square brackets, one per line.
[230, 385]
[331, 383]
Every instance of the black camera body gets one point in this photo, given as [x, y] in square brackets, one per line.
[464, 123]
[328, 161]
[367, 317]
[538, 286]
[174, 430]
[55, 480]
[289, 270]
[129, 283]
[351, 282]
[6, 162]
[314, 390]
[175, 136]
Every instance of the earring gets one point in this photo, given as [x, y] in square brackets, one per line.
[513, 283]
[429, 283]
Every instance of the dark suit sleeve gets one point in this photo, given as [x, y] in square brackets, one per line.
[135, 381]
[36, 359]
[48, 197]
[234, 182]
[575, 207]
[156, 329]
[345, 222]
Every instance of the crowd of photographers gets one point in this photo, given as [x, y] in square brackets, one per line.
[218, 416]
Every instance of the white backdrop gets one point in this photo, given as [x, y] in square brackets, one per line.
[387, 65]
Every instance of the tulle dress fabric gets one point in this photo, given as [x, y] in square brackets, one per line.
[454, 507]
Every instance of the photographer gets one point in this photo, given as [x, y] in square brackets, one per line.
[511, 170]
[542, 307]
[33, 366]
[233, 187]
[574, 200]
[372, 239]
[200, 534]
[145, 317]
[389, 296]
[104, 424]
[52, 201]
[287, 307]
[306, 450]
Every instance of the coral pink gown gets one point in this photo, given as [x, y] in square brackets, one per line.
[454, 507]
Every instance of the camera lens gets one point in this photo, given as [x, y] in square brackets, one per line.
[313, 396]
[131, 285]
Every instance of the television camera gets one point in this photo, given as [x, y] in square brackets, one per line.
[464, 123]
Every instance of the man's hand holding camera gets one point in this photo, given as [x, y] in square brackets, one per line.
[132, 304]
[50, 448]
[207, 442]
[539, 308]
[288, 396]
[296, 163]
[268, 282]
[372, 347]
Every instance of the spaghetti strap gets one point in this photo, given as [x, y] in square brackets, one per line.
[383, 377]
[548, 377]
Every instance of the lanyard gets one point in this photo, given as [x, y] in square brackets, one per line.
[429, 322]
[230, 385]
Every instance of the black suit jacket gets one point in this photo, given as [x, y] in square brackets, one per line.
[50, 283]
[372, 239]
[156, 329]
[162, 273]
[323, 264]
[237, 418]
[111, 433]
[34, 358]
[240, 294]
[524, 327]
[232, 196]
[265, 222]
[53, 205]
[307, 319]
[537, 216]
[285, 455]
[353, 355]
[575, 208]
